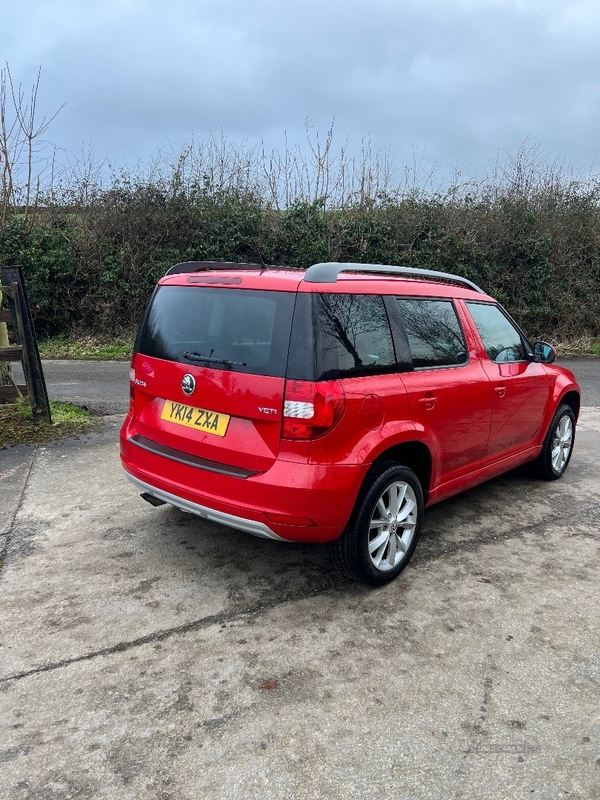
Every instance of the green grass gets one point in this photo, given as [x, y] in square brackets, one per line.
[120, 348]
[87, 347]
[583, 347]
[17, 425]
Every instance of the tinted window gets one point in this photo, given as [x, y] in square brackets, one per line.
[433, 331]
[301, 359]
[249, 328]
[502, 341]
[354, 335]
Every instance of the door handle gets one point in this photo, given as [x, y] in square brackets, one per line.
[500, 390]
[428, 402]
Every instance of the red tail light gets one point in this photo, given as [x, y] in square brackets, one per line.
[311, 410]
[131, 385]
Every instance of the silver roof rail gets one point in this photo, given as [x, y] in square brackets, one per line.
[328, 273]
[201, 266]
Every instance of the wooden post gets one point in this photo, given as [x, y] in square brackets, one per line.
[32, 366]
[5, 369]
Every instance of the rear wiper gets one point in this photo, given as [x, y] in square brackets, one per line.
[192, 356]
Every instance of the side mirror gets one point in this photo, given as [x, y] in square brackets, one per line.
[543, 353]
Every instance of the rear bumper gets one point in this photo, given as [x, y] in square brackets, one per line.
[322, 495]
[247, 525]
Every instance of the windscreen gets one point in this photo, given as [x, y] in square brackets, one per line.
[238, 329]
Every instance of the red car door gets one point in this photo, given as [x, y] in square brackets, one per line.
[448, 391]
[520, 387]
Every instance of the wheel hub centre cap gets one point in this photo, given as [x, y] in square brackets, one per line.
[394, 526]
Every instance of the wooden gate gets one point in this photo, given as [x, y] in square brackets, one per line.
[15, 311]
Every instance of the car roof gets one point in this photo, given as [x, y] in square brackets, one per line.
[291, 279]
[272, 279]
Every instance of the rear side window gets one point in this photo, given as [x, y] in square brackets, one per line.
[433, 331]
[250, 329]
[354, 336]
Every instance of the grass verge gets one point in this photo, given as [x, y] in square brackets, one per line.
[583, 347]
[18, 427]
[96, 348]
[87, 347]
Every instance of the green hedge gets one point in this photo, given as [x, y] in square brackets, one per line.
[91, 268]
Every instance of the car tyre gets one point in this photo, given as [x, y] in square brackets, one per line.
[558, 445]
[384, 528]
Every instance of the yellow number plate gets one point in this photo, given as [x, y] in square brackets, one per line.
[198, 418]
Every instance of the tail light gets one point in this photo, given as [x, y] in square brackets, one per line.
[311, 410]
[131, 385]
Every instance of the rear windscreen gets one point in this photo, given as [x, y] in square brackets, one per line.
[239, 329]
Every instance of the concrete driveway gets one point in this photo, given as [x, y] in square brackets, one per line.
[145, 653]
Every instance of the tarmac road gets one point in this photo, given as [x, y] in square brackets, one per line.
[148, 654]
[103, 386]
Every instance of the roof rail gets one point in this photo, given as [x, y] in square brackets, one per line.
[328, 273]
[199, 266]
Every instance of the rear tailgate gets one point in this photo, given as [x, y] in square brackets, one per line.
[227, 348]
[233, 419]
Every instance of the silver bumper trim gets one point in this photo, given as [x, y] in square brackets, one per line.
[247, 525]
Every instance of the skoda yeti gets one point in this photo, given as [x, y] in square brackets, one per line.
[333, 404]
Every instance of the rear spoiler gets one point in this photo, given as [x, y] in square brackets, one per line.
[201, 266]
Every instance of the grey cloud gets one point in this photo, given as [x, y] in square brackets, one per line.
[460, 80]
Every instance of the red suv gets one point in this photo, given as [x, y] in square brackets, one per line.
[333, 404]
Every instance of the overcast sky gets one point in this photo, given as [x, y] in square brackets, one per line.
[455, 81]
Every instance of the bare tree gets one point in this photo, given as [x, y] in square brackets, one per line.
[23, 160]
[23, 151]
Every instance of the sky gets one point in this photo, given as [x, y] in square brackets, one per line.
[450, 83]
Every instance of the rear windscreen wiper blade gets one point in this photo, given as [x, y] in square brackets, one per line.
[192, 356]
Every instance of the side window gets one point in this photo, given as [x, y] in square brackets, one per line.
[502, 341]
[433, 331]
[354, 336]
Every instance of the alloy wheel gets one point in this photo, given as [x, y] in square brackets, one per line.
[392, 526]
[562, 442]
